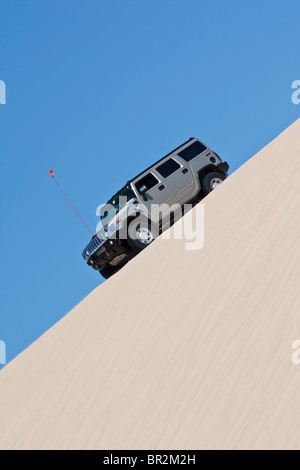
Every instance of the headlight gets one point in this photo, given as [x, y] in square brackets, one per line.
[86, 252]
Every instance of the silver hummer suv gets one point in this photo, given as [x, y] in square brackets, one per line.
[151, 202]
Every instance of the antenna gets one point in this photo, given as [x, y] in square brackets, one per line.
[94, 236]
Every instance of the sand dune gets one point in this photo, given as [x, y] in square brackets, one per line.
[180, 349]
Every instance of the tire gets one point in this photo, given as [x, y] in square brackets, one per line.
[141, 234]
[210, 181]
[108, 271]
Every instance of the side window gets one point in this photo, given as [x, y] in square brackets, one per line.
[192, 151]
[146, 183]
[168, 167]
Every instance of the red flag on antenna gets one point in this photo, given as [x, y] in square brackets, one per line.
[51, 173]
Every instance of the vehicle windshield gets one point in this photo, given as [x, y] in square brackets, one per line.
[115, 204]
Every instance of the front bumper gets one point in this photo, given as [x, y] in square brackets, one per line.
[100, 254]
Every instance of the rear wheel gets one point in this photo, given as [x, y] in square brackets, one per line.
[211, 181]
[141, 233]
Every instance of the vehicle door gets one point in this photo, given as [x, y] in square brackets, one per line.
[152, 192]
[179, 178]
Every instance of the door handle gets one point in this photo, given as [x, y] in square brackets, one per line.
[185, 170]
[161, 187]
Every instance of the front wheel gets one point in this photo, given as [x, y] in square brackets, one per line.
[211, 181]
[108, 271]
[141, 233]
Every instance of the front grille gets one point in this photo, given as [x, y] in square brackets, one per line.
[91, 248]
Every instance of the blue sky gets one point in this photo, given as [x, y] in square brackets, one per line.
[97, 91]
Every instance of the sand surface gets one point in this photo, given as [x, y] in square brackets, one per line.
[181, 349]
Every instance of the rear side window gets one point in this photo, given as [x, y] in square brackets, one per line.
[192, 151]
[167, 168]
[146, 183]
